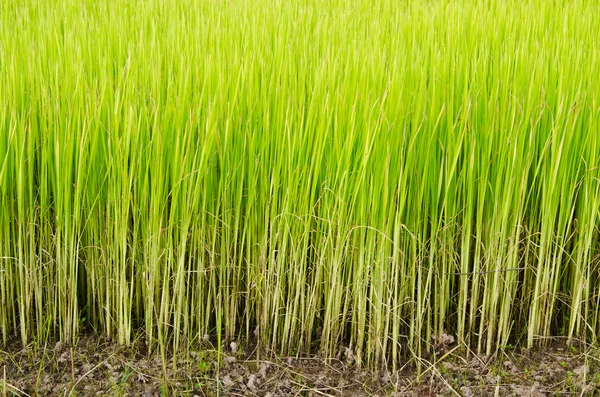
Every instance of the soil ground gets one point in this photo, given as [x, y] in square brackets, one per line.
[96, 367]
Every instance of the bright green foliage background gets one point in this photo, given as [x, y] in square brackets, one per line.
[366, 173]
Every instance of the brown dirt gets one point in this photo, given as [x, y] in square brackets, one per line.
[95, 367]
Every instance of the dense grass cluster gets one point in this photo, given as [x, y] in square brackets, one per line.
[366, 173]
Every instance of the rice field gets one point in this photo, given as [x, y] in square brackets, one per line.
[307, 174]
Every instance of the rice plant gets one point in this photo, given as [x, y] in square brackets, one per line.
[312, 174]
